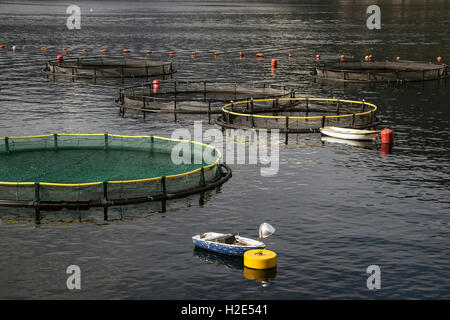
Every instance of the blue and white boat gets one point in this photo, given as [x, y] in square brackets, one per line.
[229, 244]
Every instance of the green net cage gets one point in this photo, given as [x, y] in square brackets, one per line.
[83, 171]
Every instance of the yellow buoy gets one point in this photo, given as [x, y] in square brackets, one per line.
[260, 259]
[260, 275]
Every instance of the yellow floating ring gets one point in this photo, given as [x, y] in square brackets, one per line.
[260, 259]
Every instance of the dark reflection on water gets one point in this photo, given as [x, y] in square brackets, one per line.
[337, 208]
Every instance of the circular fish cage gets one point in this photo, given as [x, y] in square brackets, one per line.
[83, 171]
[380, 71]
[305, 115]
[193, 97]
[108, 67]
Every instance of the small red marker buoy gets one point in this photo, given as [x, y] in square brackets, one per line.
[397, 58]
[342, 57]
[290, 55]
[260, 55]
[84, 50]
[149, 52]
[43, 48]
[439, 59]
[370, 57]
[274, 63]
[2, 46]
[241, 54]
[171, 52]
[104, 50]
[386, 149]
[155, 86]
[24, 47]
[126, 51]
[317, 56]
[387, 137]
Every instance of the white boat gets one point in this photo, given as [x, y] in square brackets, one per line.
[355, 143]
[350, 134]
[229, 244]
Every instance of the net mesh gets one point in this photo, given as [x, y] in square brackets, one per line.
[194, 97]
[109, 67]
[303, 115]
[374, 71]
[66, 167]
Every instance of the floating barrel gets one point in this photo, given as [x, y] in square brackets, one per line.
[387, 136]
[260, 259]
[274, 63]
[260, 275]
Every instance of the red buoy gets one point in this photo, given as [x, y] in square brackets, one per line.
[387, 136]
[386, 149]
[274, 63]
[59, 58]
[155, 86]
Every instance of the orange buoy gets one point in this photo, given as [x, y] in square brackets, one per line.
[84, 50]
[386, 149]
[155, 86]
[104, 50]
[171, 52]
[125, 51]
[24, 47]
[439, 59]
[2, 46]
[43, 48]
[317, 56]
[387, 136]
[342, 57]
[260, 55]
[64, 49]
[216, 53]
[290, 55]
[148, 52]
[241, 54]
[60, 58]
[274, 63]
[370, 57]
[397, 58]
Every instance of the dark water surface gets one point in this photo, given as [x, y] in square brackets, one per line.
[337, 208]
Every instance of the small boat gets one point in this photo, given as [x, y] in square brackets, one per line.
[229, 244]
[355, 143]
[350, 134]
